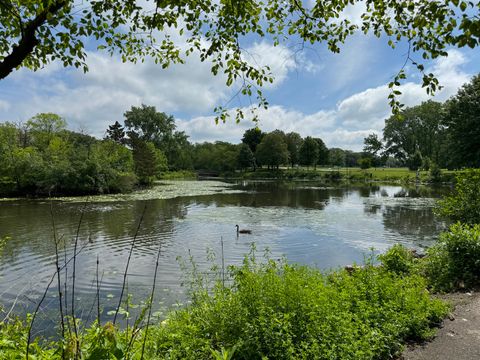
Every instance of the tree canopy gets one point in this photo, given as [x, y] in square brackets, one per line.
[272, 150]
[463, 122]
[36, 32]
[309, 152]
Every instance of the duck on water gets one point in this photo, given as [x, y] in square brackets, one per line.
[242, 231]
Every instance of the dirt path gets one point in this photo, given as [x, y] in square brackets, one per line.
[459, 338]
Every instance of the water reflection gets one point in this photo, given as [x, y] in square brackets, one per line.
[308, 222]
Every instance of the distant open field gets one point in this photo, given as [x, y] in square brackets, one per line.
[338, 173]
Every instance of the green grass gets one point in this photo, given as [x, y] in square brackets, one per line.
[181, 174]
[403, 175]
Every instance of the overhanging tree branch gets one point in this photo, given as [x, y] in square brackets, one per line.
[28, 41]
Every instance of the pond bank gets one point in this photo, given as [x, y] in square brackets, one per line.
[459, 336]
[397, 175]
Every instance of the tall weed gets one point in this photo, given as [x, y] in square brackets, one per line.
[276, 310]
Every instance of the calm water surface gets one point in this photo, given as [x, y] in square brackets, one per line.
[307, 222]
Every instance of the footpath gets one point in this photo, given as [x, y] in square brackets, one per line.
[459, 336]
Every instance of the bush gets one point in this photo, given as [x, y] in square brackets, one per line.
[415, 161]
[398, 259]
[123, 183]
[270, 310]
[281, 311]
[435, 173]
[365, 163]
[464, 204]
[333, 175]
[454, 262]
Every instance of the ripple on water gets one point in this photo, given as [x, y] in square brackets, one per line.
[309, 223]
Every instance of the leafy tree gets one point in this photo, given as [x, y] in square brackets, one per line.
[20, 166]
[272, 151]
[27, 168]
[149, 162]
[464, 204]
[116, 133]
[178, 150]
[48, 123]
[60, 161]
[245, 158]
[114, 167]
[58, 167]
[148, 124]
[435, 173]
[351, 158]
[294, 142]
[309, 152]
[415, 162]
[373, 145]
[322, 152]
[218, 157]
[252, 138]
[463, 122]
[419, 127]
[8, 144]
[365, 163]
[43, 127]
[336, 157]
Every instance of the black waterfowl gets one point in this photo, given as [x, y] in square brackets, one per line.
[242, 231]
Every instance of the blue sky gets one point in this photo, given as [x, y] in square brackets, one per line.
[340, 98]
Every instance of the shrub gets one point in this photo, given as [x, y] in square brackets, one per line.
[435, 173]
[268, 310]
[398, 259]
[333, 175]
[13, 342]
[454, 262]
[415, 161]
[365, 163]
[281, 311]
[464, 204]
[123, 183]
[426, 163]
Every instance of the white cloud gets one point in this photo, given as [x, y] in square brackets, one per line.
[4, 105]
[353, 13]
[349, 122]
[94, 100]
[279, 59]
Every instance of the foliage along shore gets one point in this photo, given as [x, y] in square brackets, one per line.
[274, 310]
[354, 174]
[41, 157]
[266, 309]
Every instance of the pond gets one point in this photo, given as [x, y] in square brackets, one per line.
[307, 222]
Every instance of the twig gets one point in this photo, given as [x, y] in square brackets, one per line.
[128, 263]
[29, 337]
[98, 297]
[151, 299]
[59, 282]
[65, 285]
[223, 263]
[73, 276]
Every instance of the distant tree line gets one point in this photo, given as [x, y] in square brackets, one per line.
[432, 134]
[42, 157]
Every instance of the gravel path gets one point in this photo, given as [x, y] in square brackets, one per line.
[459, 338]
